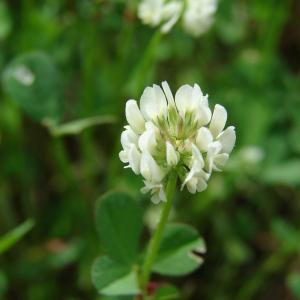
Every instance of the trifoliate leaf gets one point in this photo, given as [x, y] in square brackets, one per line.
[113, 278]
[119, 223]
[181, 251]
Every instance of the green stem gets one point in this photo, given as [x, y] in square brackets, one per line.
[156, 238]
[139, 76]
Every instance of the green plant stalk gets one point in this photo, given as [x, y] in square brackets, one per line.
[156, 238]
[139, 76]
[133, 85]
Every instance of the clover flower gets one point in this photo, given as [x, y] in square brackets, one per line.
[178, 133]
[197, 15]
[160, 12]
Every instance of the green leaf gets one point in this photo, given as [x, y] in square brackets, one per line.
[180, 252]
[293, 282]
[77, 126]
[167, 292]
[119, 223]
[9, 239]
[113, 278]
[33, 83]
[283, 173]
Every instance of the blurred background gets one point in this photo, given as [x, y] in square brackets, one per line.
[67, 68]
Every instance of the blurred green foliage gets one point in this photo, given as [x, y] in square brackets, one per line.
[73, 61]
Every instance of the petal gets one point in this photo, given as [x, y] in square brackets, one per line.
[148, 187]
[209, 164]
[171, 13]
[123, 156]
[153, 103]
[168, 93]
[147, 141]
[150, 11]
[219, 161]
[202, 111]
[205, 112]
[189, 176]
[198, 16]
[171, 154]
[134, 116]
[197, 94]
[204, 138]
[168, 25]
[192, 185]
[201, 185]
[171, 9]
[204, 100]
[204, 115]
[155, 198]
[134, 158]
[214, 148]
[162, 195]
[183, 99]
[227, 139]
[128, 137]
[149, 168]
[190, 99]
[218, 120]
[151, 126]
[197, 156]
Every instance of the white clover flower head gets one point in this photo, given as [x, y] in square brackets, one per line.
[197, 15]
[160, 12]
[181, 134]
[150, 11]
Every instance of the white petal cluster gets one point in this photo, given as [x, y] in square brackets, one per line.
[175, 133]
[197, 15]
